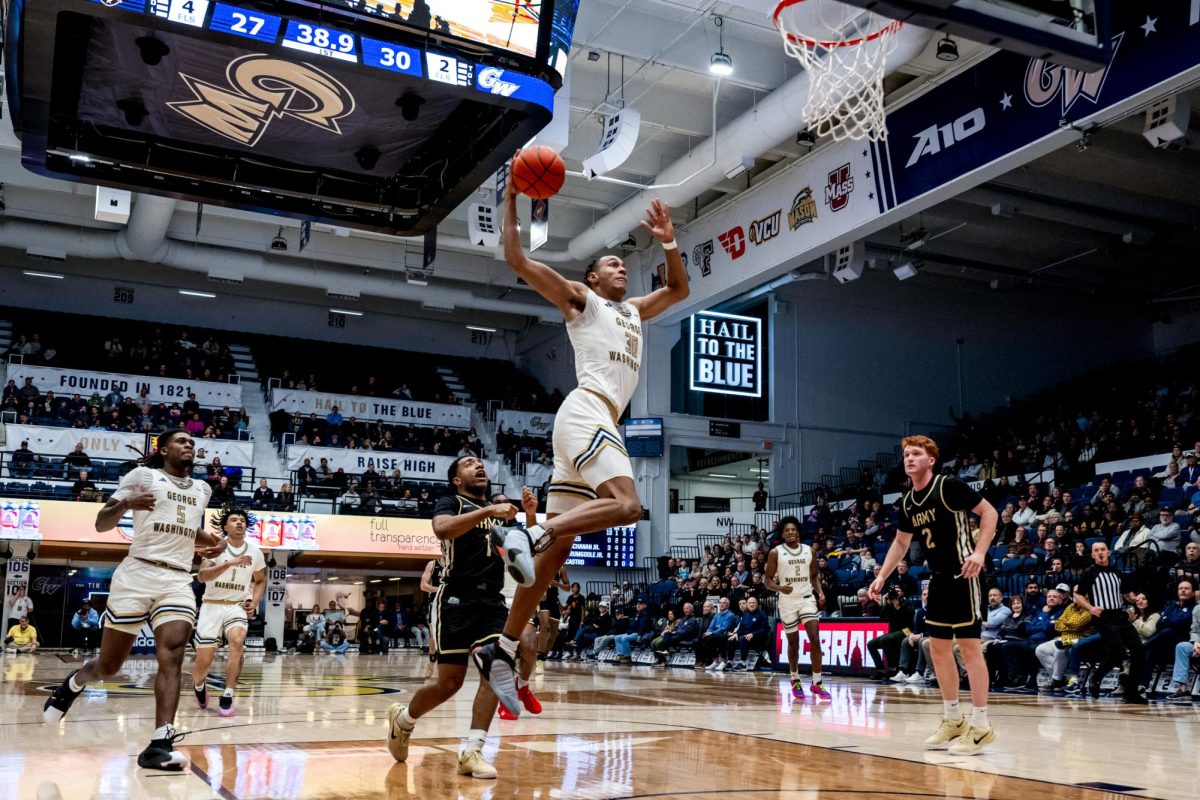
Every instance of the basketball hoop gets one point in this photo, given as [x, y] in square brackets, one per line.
[843, 49]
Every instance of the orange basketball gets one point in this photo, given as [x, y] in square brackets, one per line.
[538, 172]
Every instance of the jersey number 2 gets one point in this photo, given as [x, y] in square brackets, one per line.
[928, 534]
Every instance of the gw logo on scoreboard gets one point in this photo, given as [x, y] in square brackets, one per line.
[492, 80]
[263, 89]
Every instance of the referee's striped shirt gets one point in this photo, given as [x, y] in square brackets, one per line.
[1102, 587]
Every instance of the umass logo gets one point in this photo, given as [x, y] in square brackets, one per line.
[838, 187]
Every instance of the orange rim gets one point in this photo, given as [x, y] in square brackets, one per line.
[894, 26]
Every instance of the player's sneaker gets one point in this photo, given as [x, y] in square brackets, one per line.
[516, 548]
[201, 696]
[529, 701]
[819, 692]
[161, 753]
[973, 741]
[899, 677]
[59, 703]
[499, 670]
[947, 731]
[538, 669]
[397, 736]
[797, 689]
[502, 713]
[1073, 686]
[916, 677]
[226, 706]
[471, 763]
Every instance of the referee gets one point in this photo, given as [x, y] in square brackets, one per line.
[1103, 592]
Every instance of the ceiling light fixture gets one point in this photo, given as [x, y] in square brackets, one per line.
[376, 580]
[33, 274]
[279, 243]
[746, 163]
[905, 271]
[190, 293]
[947, 49]
[481, 329]
[345, 311]
[720, 475]
[721, 63]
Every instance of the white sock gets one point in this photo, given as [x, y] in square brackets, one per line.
[508, 645]
[228, 692]
[795, 676]
[406, 722]
[536, 533]
[979, 717]
[475, 740]
[951, 711]
[521, 682]
[75, 687]
[163, 732]
[201, 686]
[816, 677]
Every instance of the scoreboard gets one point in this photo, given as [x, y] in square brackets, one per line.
[614, 548]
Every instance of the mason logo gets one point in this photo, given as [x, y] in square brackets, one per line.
[804, 209]
[263, 89]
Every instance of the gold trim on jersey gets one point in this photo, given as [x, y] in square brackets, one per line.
[602, 437]
[574, 489]
[911, 495]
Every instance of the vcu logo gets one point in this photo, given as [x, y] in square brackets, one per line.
[734, 242]
[263, 89]
[804, 209]
[838, 186]
[765, 229]
[702, 257]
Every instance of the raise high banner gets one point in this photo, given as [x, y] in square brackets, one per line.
[413, 466]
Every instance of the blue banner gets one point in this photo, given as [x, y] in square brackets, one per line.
[1009, 100]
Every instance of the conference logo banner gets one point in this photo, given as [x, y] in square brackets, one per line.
[726, 354]
[370, 409]
[538, 423]
[209, 394]
[414, 467]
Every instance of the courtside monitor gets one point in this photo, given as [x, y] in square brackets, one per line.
[1073, 34]
[382, 116]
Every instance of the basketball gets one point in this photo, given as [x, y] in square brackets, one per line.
[538, 172]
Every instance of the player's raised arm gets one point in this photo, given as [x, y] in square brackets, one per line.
[658, 222]
[568, 296]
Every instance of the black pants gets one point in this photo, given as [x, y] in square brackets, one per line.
[1120, 640]
[889, 643]
[86, 637]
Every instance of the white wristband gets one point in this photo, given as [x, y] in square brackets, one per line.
[670, 245]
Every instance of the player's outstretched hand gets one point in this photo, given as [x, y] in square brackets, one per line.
[876, 590]
[529, 500]
[510, 186]
[973, 566]
[140, 500]
[658, 221]
[503, 511]
[214, 551]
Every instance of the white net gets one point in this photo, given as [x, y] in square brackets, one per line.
[843, 49]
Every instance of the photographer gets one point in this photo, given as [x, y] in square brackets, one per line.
[87, 622]
[899, 617]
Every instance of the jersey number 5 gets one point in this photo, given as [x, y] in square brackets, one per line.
[180, 515]
[928, 534]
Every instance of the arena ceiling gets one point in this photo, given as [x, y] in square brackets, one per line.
[1118, 215]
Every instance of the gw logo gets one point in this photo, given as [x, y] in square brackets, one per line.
[936, 138]
[265, 88]
[491, 79]
[1045, 81]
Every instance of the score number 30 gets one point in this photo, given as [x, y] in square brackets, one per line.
[325, 39]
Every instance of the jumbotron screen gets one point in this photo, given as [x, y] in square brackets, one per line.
[508, 24]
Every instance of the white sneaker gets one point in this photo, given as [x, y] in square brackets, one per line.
[721, 667]
[972, 741]
[916, 677]
[899, 677]
[517, 551]
[538, 669]
[711, 667]
[947, 732]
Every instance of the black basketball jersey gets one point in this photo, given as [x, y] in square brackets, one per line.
[471, 563]
[938, 516]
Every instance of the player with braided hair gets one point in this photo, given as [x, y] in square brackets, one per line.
[233, 587]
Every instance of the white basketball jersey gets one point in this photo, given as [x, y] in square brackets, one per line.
[168, 533]
[234, 583]
[607, 338]
[793, 569]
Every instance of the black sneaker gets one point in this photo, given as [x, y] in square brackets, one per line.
[60, 701]
[226, 704]
[201, 696]
[500, 671]
[161, 754]
[1094, 688]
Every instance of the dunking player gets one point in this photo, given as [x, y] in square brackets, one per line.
[529, 636]
[234, 584]
[152, 584]
[936, 509]
[792, 571]
[469, 610]
[592, 485]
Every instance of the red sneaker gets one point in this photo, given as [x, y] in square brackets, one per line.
[504, 713]
[529, 701]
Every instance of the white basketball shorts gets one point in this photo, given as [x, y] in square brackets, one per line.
[215, 621]
[588, 451]
[144, 592]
